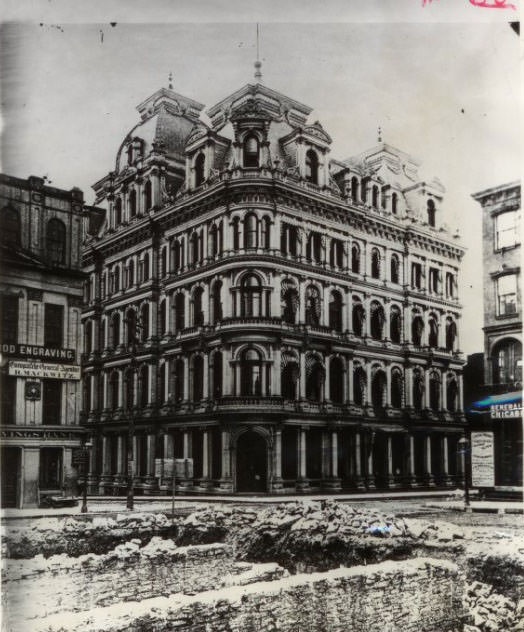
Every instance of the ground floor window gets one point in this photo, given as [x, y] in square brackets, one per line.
[50, 468]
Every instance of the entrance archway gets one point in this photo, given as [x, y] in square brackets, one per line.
[251, 463]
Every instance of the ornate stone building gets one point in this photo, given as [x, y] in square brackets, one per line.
[41, 282]
[296, 315]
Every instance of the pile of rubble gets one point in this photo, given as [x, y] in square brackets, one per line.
[490, 611]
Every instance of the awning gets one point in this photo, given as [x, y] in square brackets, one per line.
[483, 405]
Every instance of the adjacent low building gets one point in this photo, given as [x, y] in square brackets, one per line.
[496, 415]
[286, 320]
[41, 285]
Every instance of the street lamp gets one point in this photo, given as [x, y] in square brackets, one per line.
[463, 444]
[85, 461]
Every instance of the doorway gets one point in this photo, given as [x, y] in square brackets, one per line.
[10, 476]
[251, 463]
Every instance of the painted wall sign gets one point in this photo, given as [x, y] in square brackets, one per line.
[482, 459]
[23, 368]
[506, 411]
[38, 352]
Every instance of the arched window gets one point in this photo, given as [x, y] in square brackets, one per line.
[115, 330]
[354, 189]
[395, 269]
[289, 296]
[103, 285]
[114, 387]
[383, 197]
[88, 337]
[450, 285]
[145, 267]
[118, 211]
[131, 326]
[198, 314]
[312, 166]
[217, 301]
[250, 297]
[130, 389]
[195, 255]
[433, 332]
[375, 196]
[162, 324]
[177, 255]
[452, 395]
[431, 212]
[161, 389]
[289, 375]
[315, 375]
[336, 253]
[265, 227]
[377, 320]
[506, 358]
[289, 239]
[396, 388]
[179, 312]
[250, 231]
[434, 392]
[355, 258]
[335, 311]
[375, 264]
[198, 378]
[418, 389]
[116, 279]
[417, 328]
[358, 316]
[395, 324]
[336, 381]
[314, 247]
[217, 374]
[144, 322]
[451, 334]
[179, 380]
[56, 241]
[148, 195]
[213, 240]
[312, 306]
[200, 163]
[378, 389]
[10, 233]
[163, 262]
[130, 274]
[250, 372]
[132, 203]
[359, 385]
[251, 151]
[394, 203]
[144, 385]
[236, 233]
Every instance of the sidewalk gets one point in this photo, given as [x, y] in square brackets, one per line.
[111, 504]
[481, 506]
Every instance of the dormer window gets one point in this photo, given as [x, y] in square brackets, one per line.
[312, 167]
[251, 151]
[148, 195]
[200, 164]
[431, 213]
[132, 203]
[118, 211]
[394, 203]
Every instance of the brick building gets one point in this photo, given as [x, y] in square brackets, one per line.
[500, 398]
[297, 316]
[40, 304]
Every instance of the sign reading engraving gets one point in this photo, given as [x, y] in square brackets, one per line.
[22, 368]
[482, 459]
[38, 352]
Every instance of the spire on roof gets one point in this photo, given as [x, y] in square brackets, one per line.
[258, 63]
[379, 134]
[170, 80]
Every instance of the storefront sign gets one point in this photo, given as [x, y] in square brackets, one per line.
[482, 459]
[22, 368]
[506, 411]
[38, 352]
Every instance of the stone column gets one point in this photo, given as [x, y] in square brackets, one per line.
[409, 446]
[429, 479]
[334, 481]
[327, 379]
[206, 376]
[120, 455]
[275, 296]
[370, 468]
[302, 302]
[445, 460]
[349, 379]
[276, 483]
[186, 378]
[302, 390]
[302, 481]
[207, 452]
[358, 480]
[226, 482]
[276, 385]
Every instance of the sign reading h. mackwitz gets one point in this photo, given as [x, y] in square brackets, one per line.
[38, 352]
[22, 368]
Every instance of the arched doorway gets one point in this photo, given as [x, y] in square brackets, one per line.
[251, 463]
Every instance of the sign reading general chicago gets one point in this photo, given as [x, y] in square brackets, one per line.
[39, 352]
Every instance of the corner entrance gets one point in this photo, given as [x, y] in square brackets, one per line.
[251, 462]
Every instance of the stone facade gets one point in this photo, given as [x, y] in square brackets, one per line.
[287, 321]
[501, 237]
[422, 595]
[41, 299]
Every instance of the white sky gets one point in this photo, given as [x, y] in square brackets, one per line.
[447, 93]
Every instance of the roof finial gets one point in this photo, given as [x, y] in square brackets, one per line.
[170, 85]
[258, 63]
[379, 134]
